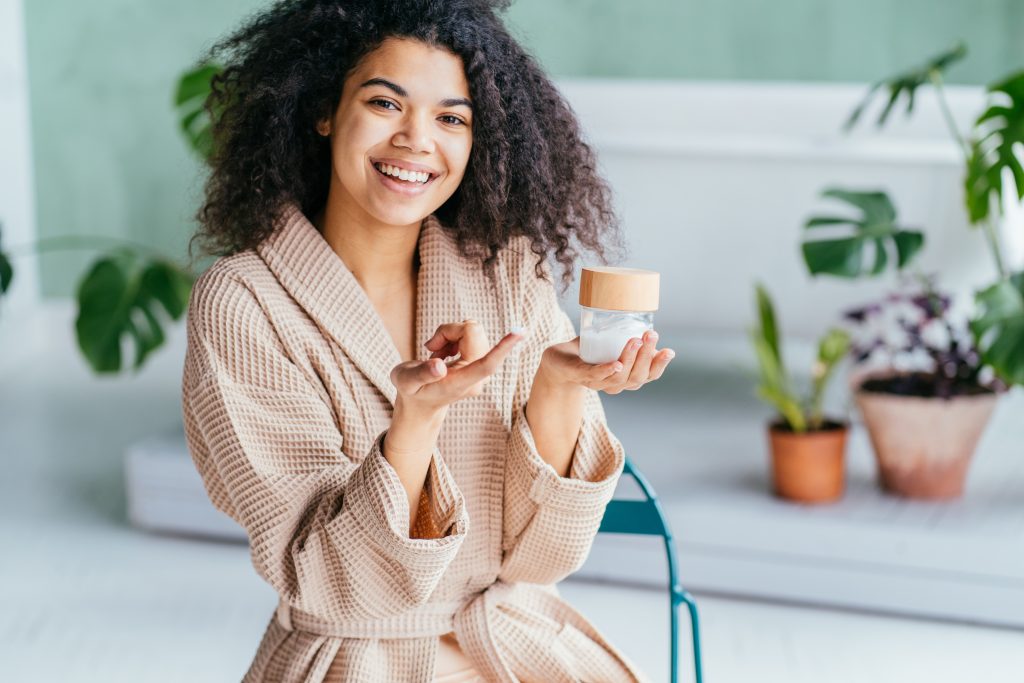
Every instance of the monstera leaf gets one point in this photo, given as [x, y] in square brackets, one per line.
[190, 100]
[996, 133]
[906, 84]
[6, 269]
[999, 328]
[120, 297]
[865, 249]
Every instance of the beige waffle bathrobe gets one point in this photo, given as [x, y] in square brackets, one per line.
[286, 397]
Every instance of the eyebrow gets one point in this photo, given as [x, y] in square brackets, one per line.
[402, 92]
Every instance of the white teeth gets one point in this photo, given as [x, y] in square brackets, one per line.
[404, 174]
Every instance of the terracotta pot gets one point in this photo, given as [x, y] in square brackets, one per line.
[809, 467]
[924, 445]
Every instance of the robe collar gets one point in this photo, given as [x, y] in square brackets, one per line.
[316, 277]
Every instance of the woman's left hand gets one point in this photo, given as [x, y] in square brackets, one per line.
[639, 363]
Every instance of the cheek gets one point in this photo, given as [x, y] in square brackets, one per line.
[459, 156]
[349, 150]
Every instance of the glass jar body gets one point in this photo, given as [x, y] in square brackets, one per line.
[604, 333]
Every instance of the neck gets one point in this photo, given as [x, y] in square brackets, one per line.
[381, 256]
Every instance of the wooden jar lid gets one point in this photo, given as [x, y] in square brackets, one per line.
[619, 289]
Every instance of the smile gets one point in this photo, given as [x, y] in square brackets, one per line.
[414, 183]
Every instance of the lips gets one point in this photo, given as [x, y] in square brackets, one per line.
[401, 186]
[407, 165]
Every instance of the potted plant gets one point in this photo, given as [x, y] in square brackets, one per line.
[922, 390]
[919, 380]
[924, 424]
[993, 172]
[808, 449]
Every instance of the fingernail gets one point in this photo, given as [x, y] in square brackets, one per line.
[435, 369]
[618, 367]
[670, 354]
[653, 336]
[635, 344]
[517, 329]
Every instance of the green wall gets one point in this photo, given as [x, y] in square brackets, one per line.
[109, 161]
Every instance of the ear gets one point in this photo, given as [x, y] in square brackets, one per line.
[323, 126]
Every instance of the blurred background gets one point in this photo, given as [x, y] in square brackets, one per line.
[719, 126]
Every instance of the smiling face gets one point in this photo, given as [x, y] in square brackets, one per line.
[404, 118]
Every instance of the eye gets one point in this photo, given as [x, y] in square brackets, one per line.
[378, 101]
[453, 120]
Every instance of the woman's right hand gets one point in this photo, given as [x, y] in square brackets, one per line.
[430, 386]
[426, 389]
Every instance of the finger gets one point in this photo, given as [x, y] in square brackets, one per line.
[627, 358]
[659, 364]
[445, 334]
[482, 368]
[642, 366]
[411, 376]
[447, 351]
[466, 338]
[598, 375]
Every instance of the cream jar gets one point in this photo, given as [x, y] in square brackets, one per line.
[616, 304]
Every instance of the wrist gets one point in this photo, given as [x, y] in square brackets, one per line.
[547, 385]
[553, 381]
[414, 429]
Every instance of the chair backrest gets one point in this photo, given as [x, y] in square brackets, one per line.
[641, 517]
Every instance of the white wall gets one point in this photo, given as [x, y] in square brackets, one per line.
[17, 212]
[715, 180]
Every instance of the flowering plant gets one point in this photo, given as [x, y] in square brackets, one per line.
[911, 339]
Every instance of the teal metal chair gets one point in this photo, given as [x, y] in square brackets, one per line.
[646, 518]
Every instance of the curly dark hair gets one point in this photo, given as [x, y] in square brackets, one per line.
[530, 172]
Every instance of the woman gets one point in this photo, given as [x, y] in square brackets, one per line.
[384, 174]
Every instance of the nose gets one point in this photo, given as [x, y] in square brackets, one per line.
[414, 134]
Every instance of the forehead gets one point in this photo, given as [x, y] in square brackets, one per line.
[423, 70]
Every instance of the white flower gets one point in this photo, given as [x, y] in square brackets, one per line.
[935, 334]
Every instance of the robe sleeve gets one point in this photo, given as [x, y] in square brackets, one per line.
[327, 531]
[549, 522]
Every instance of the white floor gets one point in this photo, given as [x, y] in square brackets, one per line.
[85, 597]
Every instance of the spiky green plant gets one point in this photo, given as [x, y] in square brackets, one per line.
[776, 387]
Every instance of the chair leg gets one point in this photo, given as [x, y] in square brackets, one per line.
[674, 632]
[691, 605]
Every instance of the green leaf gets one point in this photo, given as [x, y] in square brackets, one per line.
[876, 206]
[789, 409]
[864, 249]
[195, 84]
[998, 328]
[774, 384]
[906, 84]
[190, 99]
[119, 297]
[841, 257]
[908, 244]
[822, 221]
[833, 347]
[6, 269]
[996, 132]
[769, 329]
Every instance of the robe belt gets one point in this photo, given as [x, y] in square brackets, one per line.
[470, 619]
[430, 619]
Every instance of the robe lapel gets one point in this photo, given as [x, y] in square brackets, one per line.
[316, 277]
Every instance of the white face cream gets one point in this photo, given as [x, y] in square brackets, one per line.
[616, 305]
[604, 334]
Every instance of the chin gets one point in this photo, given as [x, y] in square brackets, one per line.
[406, 215]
